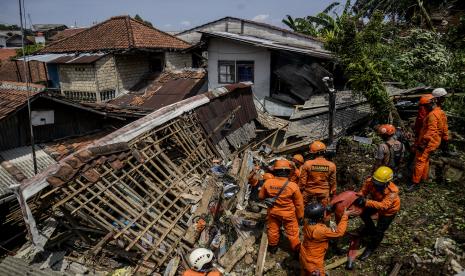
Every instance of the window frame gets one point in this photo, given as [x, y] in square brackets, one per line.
[233, 71]
[246, 63]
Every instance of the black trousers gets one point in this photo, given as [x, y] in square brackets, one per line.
[375, 233]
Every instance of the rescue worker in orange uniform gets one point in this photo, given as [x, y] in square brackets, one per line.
[201, 262]
[297, 162]
[422, 113]
[318, 176]
[287, 209]
[378, 195]
[316, 239]
[391, 152]
[433, 134]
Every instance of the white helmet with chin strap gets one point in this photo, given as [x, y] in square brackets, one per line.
[199, 257]
[439, 92]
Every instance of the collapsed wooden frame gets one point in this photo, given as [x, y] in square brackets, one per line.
[137, 195]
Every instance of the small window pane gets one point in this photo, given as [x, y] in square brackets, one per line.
[226, 71]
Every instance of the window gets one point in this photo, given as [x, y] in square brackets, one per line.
[226, 72]
[245, 71]
[235, 71]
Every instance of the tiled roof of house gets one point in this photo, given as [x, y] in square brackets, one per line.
[66, 33]
[6, 54]
[13, 96]
[117, 33]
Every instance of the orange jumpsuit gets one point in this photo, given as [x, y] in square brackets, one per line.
[191, 272]
[295, 174]
[315, 244]
[422, 113]
[435, 130]
[318, 180]
[287, 210]
[386, 203]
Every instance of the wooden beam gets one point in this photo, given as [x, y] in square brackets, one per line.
[236, 253]
[342, 260]
[261, 255]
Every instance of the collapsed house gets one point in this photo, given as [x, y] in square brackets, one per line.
[133, 188]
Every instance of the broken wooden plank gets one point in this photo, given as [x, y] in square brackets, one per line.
[172, 266]
[192, 235]
[246, 167]
[395, 271]
[261, 255]
[342, 260]
[236, 253]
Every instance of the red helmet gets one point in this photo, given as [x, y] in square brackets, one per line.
[386, 129]
[426, 99]
[317, 146]
[282, 165]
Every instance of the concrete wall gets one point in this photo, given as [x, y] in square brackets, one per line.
[175, 60]
[130, 69]
[106, 73]
[220, 49]
[77, 77]
[246, 28]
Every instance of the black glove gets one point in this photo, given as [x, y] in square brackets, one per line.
[330, 208]
[445, 146]
[361, 201]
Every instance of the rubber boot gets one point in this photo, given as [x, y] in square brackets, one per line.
[272, 249]
[411, 187]
[350, 264]
[367, 253]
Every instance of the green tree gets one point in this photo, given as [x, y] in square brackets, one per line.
[140, 19]
[29, 49]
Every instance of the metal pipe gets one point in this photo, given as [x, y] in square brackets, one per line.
[328, 81]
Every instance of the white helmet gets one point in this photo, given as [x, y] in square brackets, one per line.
[199, 257]
[439, 92]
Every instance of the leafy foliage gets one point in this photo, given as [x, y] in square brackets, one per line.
[140, 19]
[29, 49]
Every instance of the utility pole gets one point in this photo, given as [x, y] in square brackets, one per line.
[31, 129]
[328, 81]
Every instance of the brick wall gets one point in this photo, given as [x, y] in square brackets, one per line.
[106, 73]
[131, 69]
[174, 60]
[77, 77]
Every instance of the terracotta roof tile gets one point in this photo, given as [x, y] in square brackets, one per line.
[6, 54]
[12, 99]
[66, 33]
[116, 33]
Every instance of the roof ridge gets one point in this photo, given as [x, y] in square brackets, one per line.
[127, 22]
[66, 38]
[156, 29]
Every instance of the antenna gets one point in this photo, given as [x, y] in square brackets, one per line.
[28, 91]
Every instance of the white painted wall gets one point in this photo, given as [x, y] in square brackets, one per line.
[237, 26]
[221, 49]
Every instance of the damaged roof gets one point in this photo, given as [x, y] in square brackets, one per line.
[157, 91]
[117, 33]
[66, 33]
[270, 44]
[13, 96]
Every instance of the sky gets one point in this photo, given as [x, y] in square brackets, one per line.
[167, 15]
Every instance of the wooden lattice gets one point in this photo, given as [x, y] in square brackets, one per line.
[140, 202]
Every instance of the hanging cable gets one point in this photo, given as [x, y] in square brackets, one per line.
[27, 76]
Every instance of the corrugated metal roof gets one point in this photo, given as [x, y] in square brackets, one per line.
[11, 266]
[6, 180]
[78, 59]
[22, 159]
[41, 58]
[167, 88]
[270, 44]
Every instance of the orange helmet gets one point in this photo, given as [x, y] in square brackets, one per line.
[267, 176]
[282, 165]
[317, 146]
[299, 158]
[426, 99]
[386, 129]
